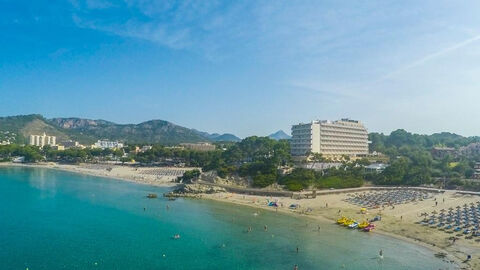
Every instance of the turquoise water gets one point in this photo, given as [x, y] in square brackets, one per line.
[57, 220]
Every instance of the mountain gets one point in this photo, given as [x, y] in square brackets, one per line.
[25, 125]
[215, 137]
[226, 137]
[154, 131]
[280, 135]
[87, 131]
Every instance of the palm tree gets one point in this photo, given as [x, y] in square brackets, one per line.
[316, 157]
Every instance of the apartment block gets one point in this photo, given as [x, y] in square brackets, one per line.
[42, 140]
[332, 139]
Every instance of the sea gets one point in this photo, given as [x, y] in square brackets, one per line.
[51, 219]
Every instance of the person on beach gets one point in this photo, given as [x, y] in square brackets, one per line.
[318, 228]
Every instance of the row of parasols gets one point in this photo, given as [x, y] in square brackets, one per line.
[375, 199]
[462, 219]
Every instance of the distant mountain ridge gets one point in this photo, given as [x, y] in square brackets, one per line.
[88, 131]
[215, 137]
[280, 135]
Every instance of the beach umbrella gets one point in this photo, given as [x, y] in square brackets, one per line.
[435, 212]
[443, 210]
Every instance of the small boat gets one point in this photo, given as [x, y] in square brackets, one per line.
[363, 225]
[354, 225]
[152, 195]
[369, 228]
[341, 220]
[348, 222]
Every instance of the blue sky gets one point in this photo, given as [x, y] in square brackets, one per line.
[245, 67]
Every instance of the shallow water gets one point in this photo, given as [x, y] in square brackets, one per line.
[57, 220]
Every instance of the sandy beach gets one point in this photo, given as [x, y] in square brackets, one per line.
[399, 222]
[156, 176]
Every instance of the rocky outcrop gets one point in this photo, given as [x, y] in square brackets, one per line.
[194, 189]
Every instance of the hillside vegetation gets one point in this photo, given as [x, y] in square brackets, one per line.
[87, 131]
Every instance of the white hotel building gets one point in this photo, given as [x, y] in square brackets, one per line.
[42, 140]
[330, 138]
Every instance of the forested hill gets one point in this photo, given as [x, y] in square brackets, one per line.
[400, 137]
[87, 131]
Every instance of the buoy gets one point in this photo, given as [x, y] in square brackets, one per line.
[163, 255]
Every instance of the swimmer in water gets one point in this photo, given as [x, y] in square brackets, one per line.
[380, 253]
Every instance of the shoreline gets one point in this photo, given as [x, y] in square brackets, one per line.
[319, 213]
[452, 256]
[127, 174]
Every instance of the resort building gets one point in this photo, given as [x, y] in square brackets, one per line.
[71, 144]
[332, 139]
[42, 140]
[58, 147]
[104, 144]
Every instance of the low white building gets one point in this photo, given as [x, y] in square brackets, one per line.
[71, 144]
[146, 148]
[376, 167]
[104, 144]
